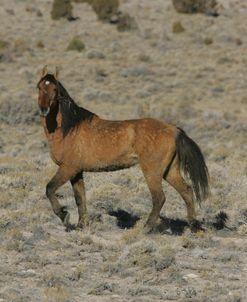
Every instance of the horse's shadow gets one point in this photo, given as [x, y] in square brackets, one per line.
[171, 226]
[167, 225]
[125, 220]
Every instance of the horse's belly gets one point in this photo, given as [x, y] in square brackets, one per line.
[101, 165]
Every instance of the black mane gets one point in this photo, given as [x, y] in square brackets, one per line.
[72, 114]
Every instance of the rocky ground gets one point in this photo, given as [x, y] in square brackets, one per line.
[195, 78]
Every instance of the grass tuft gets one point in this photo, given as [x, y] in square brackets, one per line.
[76, 44]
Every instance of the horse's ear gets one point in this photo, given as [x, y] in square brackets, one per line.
[44, 71]
[56, 74]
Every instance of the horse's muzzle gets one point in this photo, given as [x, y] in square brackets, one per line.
[43, 111]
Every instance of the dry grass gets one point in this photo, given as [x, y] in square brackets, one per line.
[56, 294]
[151, 72]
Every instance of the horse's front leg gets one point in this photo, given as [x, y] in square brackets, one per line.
[63, 175]
[80, 199]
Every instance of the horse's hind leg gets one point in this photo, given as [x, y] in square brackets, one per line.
[60, 178]
[80, 198]
[154, 182]
[175, 179]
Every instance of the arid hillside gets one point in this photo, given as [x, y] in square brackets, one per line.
[185, 69]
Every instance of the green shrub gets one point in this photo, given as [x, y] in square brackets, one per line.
[126, 23]
[3, 44]
[177, 27]
[61, 9]
[76, 44]
[104, 9]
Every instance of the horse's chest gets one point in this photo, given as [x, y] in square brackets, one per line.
[56, 149]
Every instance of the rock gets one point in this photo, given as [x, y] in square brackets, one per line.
[207, 7]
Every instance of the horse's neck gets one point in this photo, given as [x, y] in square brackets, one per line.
[52, 123]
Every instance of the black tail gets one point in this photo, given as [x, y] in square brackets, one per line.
[193, 165]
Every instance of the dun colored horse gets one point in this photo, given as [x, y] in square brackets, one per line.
[80, 141]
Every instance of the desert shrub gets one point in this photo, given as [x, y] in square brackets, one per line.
[104, 9]
[208, 41]
[104, 288]
[126, 23]
[200, 239]
[40, 44]
[56, 293]
[76, 44]
[3, 44]
[207, 7]
[61, 9]
[177, 27]
[4, 53]
[108, 11]
[147, 254]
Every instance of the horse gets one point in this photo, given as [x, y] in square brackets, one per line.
[81, 141]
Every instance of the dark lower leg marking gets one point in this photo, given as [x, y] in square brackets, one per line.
[57, 181]
[158, 200]
[80, 198]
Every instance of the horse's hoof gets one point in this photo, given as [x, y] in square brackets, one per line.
[70, 227]
[148, 228]
[80, 226]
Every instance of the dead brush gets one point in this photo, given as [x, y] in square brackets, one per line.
[56, 294]
[133, 234]
[147, 254]
[200, 239]
[15, 240]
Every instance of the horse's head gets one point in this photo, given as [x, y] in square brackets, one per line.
[48, 91]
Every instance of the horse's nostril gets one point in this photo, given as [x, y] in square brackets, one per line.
[44, 111]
